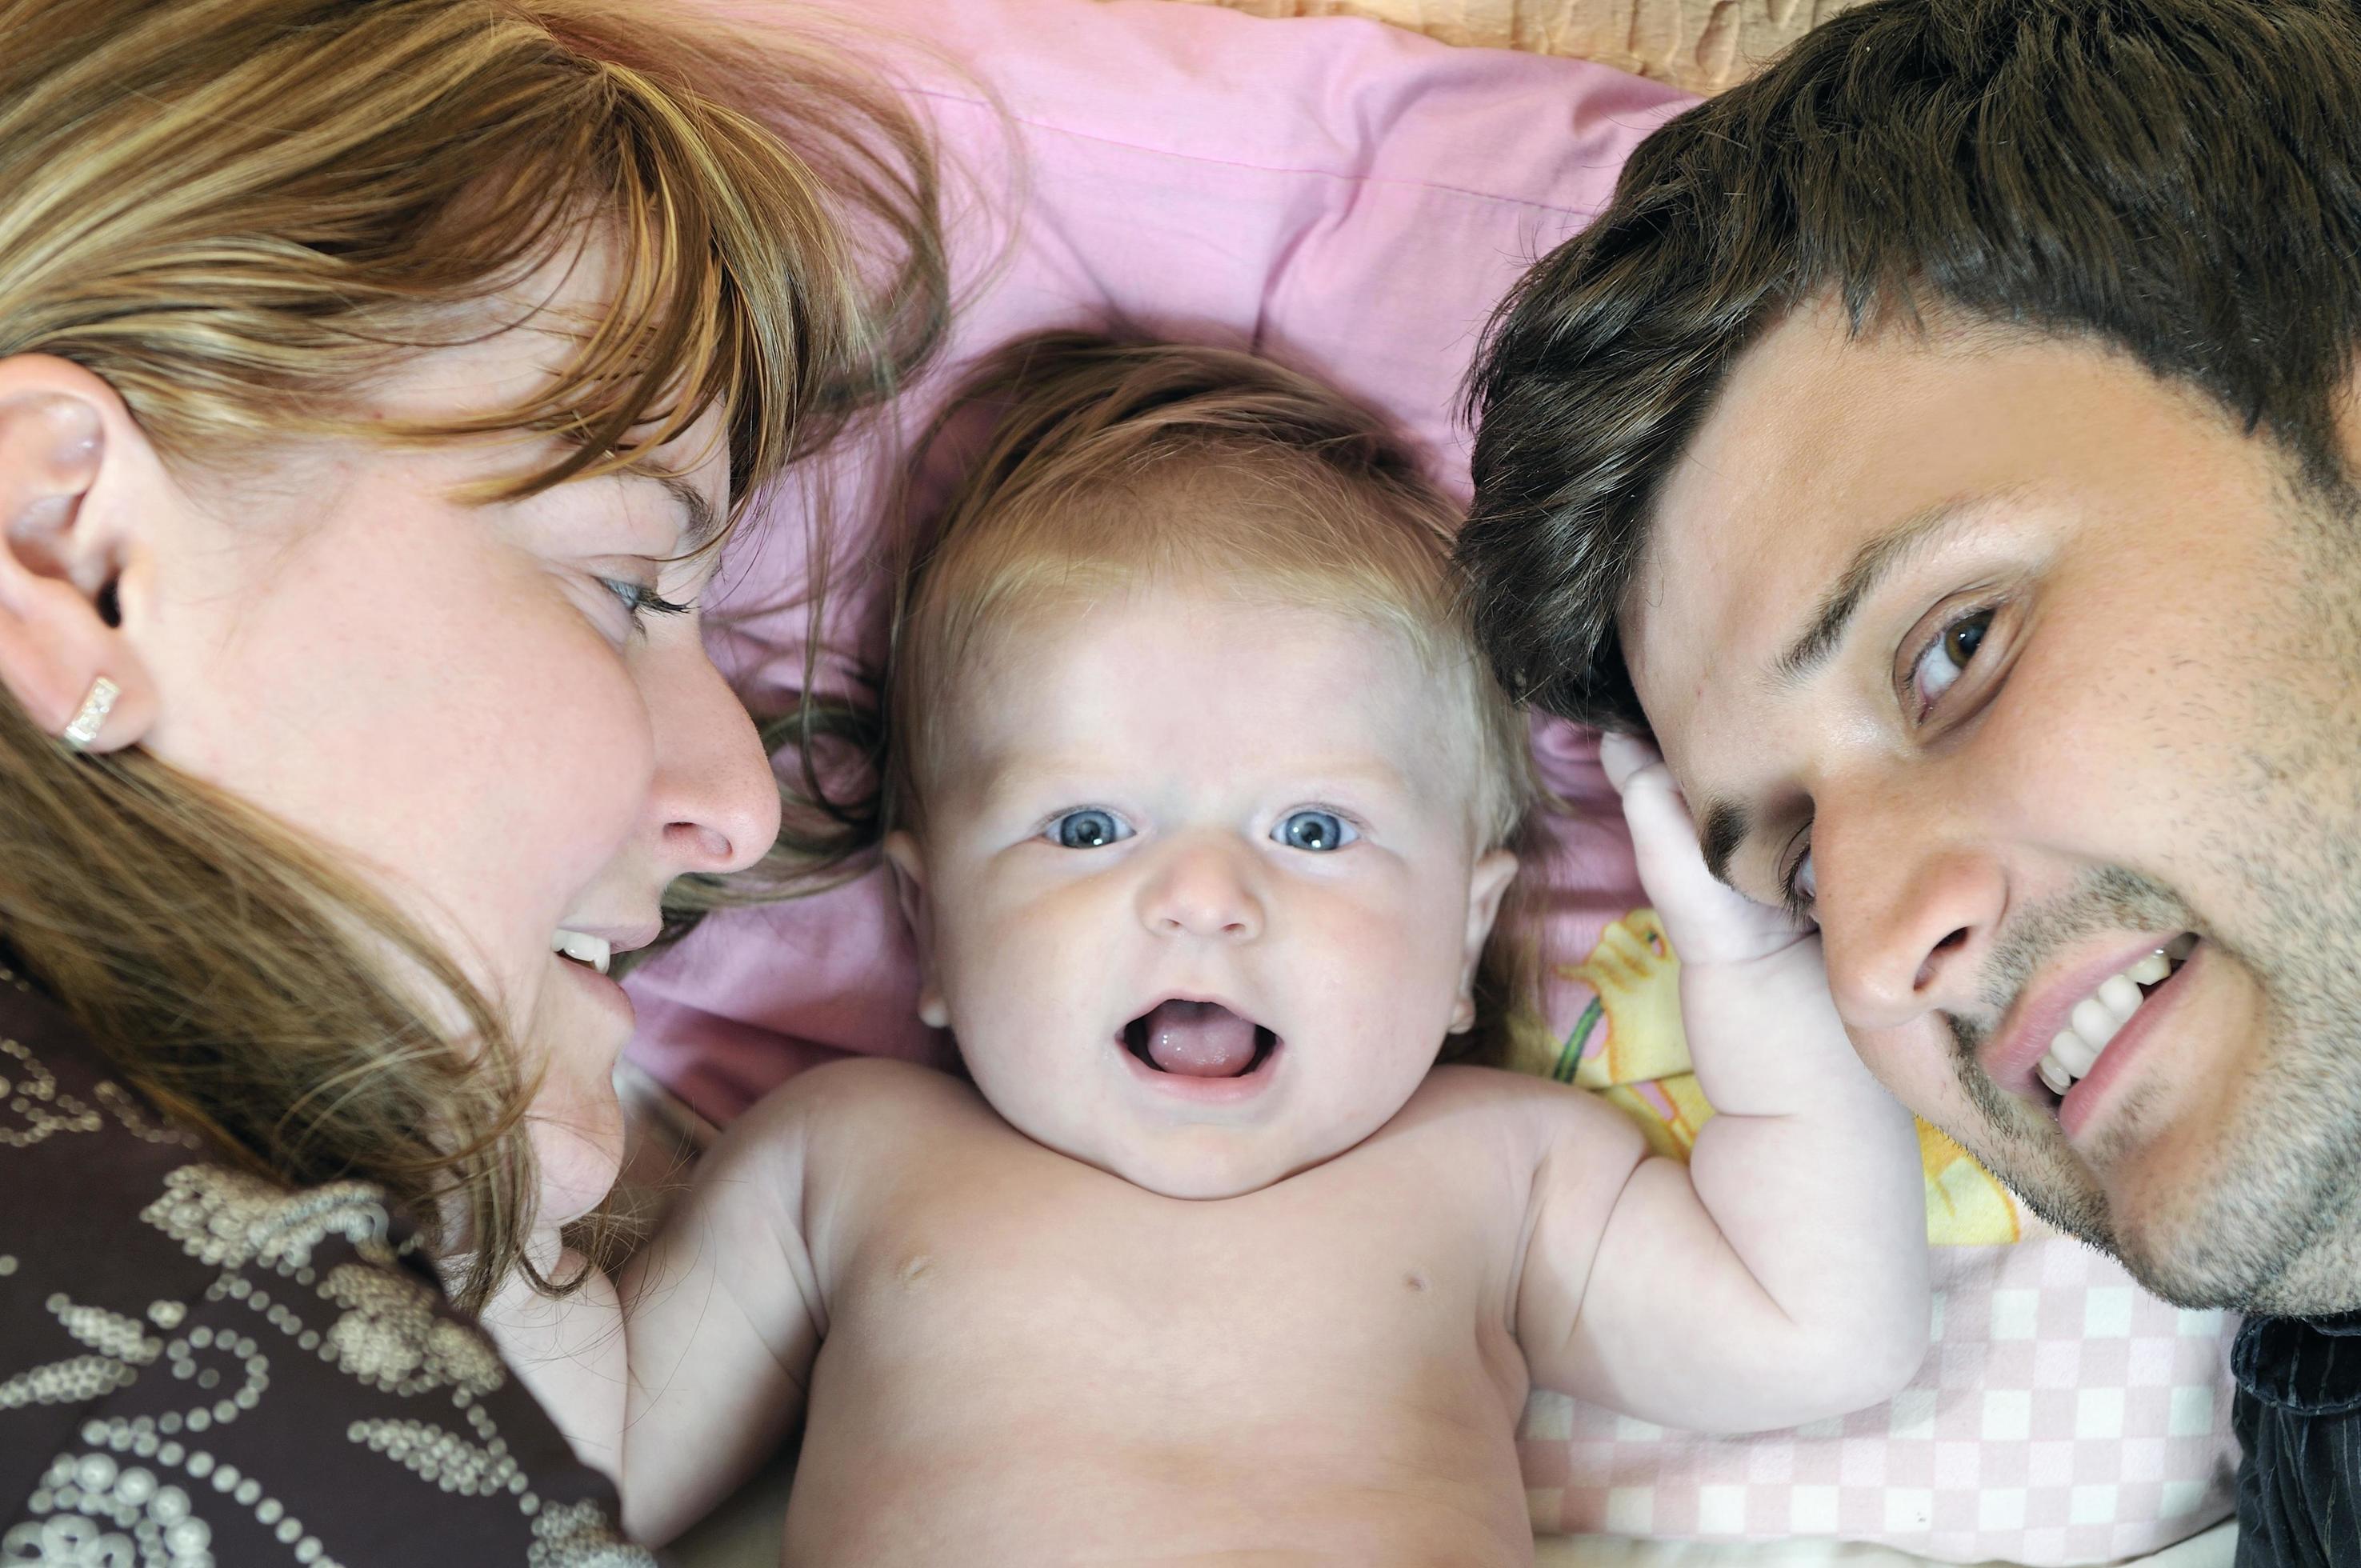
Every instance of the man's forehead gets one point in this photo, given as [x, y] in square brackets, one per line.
[1820, 441]
[1742, 536]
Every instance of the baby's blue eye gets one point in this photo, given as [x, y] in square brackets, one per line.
[1316, 830]
[1089, 829]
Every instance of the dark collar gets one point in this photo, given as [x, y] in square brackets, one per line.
[2310, 1367]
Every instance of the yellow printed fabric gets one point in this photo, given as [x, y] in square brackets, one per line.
[1626, 1045]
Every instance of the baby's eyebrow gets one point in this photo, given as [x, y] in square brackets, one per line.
[1003, 780]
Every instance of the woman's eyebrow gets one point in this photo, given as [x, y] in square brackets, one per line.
[700, 522]
[1871, 564]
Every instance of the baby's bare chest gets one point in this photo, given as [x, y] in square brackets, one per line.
[1028, 1360]
[1377, 1278]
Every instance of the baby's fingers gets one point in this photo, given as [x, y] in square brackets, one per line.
[1663, 838]
[1706, 918]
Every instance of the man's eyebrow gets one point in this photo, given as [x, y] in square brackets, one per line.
[1869, 567]
[1722, 830]
[1723, 824]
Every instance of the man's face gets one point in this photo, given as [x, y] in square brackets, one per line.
[2020, 666]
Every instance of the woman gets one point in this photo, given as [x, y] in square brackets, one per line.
[375, 380]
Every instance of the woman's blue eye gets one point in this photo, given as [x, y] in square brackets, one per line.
[641, 600]
[1089, 829]
[1319, 831]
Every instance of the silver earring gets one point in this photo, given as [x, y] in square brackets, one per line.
[91, 717]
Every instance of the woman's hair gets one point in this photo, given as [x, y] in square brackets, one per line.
[1085, 483]
[242, 213]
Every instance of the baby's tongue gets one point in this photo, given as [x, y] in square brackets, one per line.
[1200, 1039]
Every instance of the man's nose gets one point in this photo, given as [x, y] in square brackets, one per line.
[715, 803]
[1203, 886]
[1908, 910]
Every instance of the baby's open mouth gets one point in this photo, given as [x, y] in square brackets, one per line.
[1198, 1039]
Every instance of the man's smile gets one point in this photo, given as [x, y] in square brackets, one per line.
[2060, 1030]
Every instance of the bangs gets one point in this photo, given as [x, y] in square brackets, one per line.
[362, 184]
[735, 275]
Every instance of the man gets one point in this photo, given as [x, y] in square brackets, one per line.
[1948, 444]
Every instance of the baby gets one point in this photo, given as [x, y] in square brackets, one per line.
[1202, 805]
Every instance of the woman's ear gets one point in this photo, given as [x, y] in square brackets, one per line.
[74, 470]
[910, 888]
[1488, 884]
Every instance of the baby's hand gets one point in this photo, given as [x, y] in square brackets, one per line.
[1762, 1030]
[1708, 922]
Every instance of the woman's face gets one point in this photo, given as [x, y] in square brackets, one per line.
[489, 708]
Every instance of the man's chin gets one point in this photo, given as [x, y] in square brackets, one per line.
[2192, 1232]
[2257, 1246]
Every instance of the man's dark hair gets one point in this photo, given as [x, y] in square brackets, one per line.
[2177, 179]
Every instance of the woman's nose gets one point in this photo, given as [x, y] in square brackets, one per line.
[1906, 922]
[1203, 888]
[714, 798]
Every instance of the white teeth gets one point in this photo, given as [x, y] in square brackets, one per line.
[2074, 1050]
[583, 947]
[2071, 1052]
[2119, 996]
[2092, 1020]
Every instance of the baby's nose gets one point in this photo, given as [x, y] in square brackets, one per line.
[1203, 890]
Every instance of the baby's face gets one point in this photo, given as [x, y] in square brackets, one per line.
[1201, 890]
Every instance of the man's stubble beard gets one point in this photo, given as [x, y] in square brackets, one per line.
[2269, 1218]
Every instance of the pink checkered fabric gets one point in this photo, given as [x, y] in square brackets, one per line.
[2063, 1415]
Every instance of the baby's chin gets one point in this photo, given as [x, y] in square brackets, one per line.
[1198, 1163]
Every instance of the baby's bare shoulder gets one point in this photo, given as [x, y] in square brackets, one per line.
[845, 1115]
[1529, 1119]
[859, 1084]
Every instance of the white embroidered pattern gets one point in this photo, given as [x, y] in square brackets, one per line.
[576, 1535]
[391, 1335]
[155, 1521]
[230, 1219]
[122, 1345]
[128, 1499]
[29, 1092]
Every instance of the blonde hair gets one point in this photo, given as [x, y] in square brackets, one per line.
[240, 212]
[1318, 506]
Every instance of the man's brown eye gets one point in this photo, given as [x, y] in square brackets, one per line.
[1946, 658]
[1962, 637]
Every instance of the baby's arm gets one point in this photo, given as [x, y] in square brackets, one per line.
[723, 1316]
[567, 1350]
[1780, 1276]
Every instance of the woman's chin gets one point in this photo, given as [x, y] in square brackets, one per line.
[579, 1149]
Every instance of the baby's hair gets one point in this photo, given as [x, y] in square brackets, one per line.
[1081, 487]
